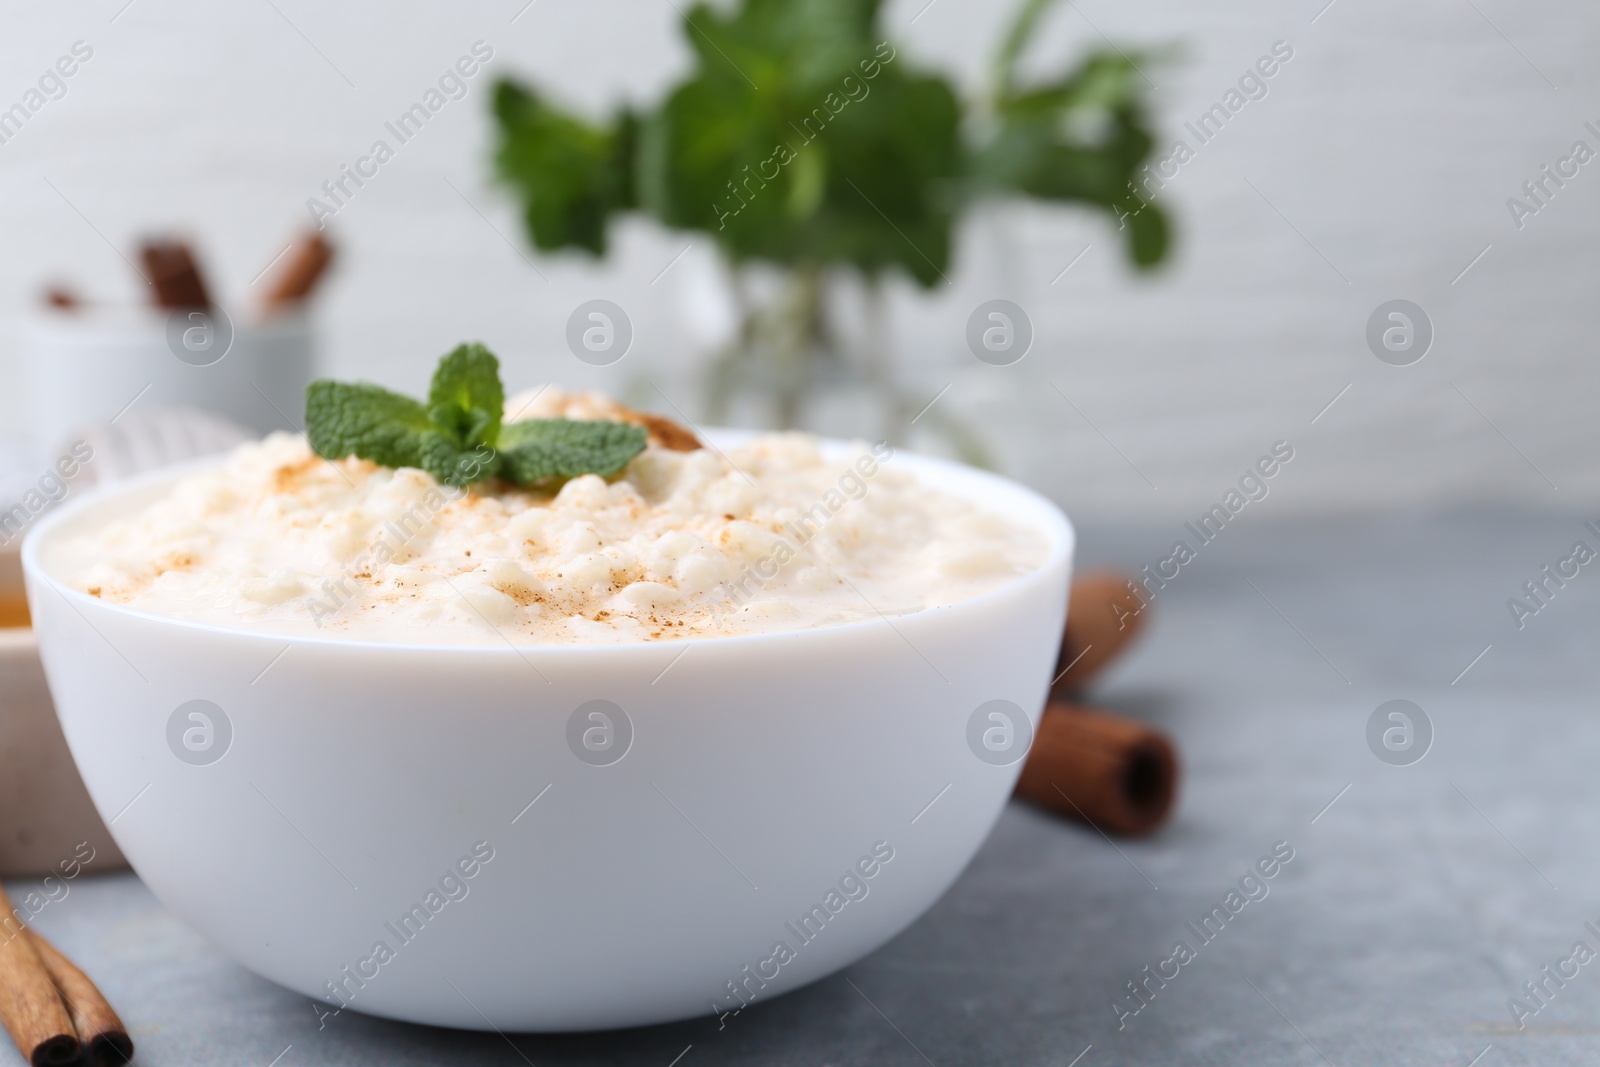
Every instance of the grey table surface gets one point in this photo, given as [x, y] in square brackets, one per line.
[1420, 898]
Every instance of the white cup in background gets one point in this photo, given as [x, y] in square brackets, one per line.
[91, 364]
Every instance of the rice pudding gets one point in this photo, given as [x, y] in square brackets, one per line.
[770, 535]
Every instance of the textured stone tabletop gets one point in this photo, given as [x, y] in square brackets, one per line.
[1419, 898]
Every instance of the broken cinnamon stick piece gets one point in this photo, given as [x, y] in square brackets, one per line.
[1115, 774]
[98, 1027]
[171, 269]
[30, 1008]
[307, 263]
[1103, 618]
[668, 434]
[664, 433]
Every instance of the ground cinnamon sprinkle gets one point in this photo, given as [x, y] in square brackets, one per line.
[290, 477]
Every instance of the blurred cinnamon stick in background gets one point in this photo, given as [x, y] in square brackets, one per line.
[1103, 617]
[1114, 773]
[308, 260]
[171, 270]
[61, 298]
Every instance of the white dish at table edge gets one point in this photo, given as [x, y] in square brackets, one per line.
[762, 770]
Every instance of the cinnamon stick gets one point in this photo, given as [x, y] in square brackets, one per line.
[1103, 617]
[30, 1008]
[664, 432]
[61, 298]
[1113, 773]
[98, 1027]
[300, 275]
[171, 269]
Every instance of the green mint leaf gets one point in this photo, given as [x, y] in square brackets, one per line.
[1149, 234]
[451, 463]
[468, 381]
[365, 420]
[572, 174]
[457, 436]
[466, 428]
[543, 450]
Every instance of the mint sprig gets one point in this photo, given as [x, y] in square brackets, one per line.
[458, 436]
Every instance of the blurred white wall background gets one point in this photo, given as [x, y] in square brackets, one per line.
[1378, 166]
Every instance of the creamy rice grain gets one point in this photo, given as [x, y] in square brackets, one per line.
[773, 537]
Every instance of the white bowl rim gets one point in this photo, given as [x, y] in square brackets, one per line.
[118, 322]
[1058, 529]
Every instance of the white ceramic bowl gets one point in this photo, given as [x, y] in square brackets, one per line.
[90, 365]
[762, 771]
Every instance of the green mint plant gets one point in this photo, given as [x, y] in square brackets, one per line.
[458, 436]
[800, 137]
